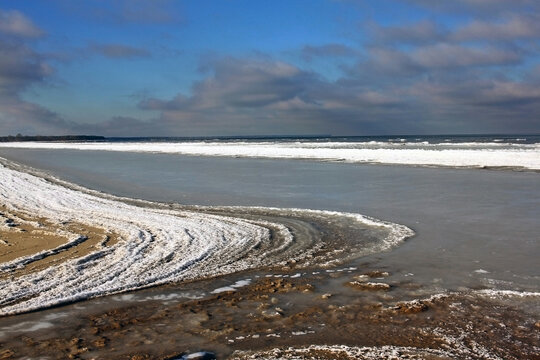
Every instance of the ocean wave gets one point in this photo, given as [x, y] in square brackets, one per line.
[470, 155]
[158, 245]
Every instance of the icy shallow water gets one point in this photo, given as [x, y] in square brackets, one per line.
[474, 228]
[160, 246]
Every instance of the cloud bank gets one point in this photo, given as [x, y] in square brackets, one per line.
[479, 74]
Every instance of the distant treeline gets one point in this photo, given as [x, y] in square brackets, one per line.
[20, 137]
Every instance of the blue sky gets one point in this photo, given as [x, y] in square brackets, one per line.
[207, 68]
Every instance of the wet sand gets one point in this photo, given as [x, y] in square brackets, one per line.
[344, 312]
[283, 316]
[22, 235]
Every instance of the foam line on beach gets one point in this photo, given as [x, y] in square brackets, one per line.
[22, 262]
[156, 245]
[359, 353]
[470, 155]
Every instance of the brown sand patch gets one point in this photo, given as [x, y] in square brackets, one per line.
[23, 235]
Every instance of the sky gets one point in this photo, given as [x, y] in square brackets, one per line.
[281, 67]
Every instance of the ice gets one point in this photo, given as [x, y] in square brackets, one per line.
[241, 283]
[481, 271]
[349, 352]
[201, 355]
[473, 154]
[493, 293]
[233, 287]
[155, 246]
[23, 327]
[223, 289]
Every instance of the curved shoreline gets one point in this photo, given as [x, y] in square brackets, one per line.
[158, 245]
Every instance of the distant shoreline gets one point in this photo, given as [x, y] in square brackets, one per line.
[525, 138]
[51, 138]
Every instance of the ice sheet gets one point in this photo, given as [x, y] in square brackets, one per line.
[449, 154]
[156, 246]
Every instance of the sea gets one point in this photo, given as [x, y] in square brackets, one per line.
[473, 201]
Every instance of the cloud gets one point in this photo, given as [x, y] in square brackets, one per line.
[480, 7]
[513, 28]
[247, 96]
[502, 94]
[329, 50]
[116, 51]
[388, 64]
[21, 67]
[18, 116]
[444, 55]
[14, 23]
[424, 31]
[244, 96]
[386, 61]
[481, 104]
[421, 77]
[240, 84]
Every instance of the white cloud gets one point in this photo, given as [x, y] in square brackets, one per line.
[14, 23]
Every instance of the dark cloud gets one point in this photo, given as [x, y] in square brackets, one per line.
[478, 92]
[243, 96]
[238, 83]
[329, 50]
[21, 67]
[482, 104]
[116, 51]
[18, 116]
[14, 23]
[271, 97]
